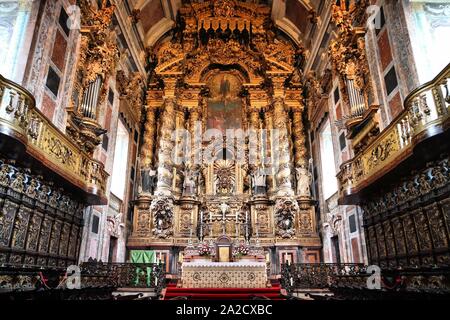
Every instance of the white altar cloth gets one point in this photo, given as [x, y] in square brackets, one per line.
[208, 274]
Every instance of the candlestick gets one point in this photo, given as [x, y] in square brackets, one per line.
[223, 220]
[246, 225]
[190, 230]
[257, 233]
[201, 225]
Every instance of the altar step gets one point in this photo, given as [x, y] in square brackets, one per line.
[273, 293]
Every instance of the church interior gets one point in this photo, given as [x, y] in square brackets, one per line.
[201, 150]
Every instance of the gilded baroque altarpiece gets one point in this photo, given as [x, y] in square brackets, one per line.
[224, 68]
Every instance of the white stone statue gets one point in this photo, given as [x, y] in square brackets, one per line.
[303, 182]
[189, 182]
[259, 181]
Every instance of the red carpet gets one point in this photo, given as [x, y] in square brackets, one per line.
[272, 293]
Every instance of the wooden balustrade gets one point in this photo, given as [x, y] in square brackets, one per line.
[22, 122]
[426, 114]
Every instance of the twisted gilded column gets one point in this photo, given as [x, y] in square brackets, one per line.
[268, 123]
[149, 138]
[283, 174]
[165, 163]
[299, 138]
[194, 117]
[255, 156]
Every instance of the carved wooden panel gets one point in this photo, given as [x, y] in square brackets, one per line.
[263, 218]
[73, 242]
[389, 236]
[423, 232]
[7, 216]
[399, 236]
[20, 228]
[445, 208]
[33, 231]
[44, 238]
[410, 232]
[418, 210]
[54, 237]
[381, 241]
[437, 226]
[64, 240]
[373, 244]
[36, 219]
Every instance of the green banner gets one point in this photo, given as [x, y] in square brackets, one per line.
[143, 256]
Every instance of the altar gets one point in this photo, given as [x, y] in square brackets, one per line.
[239, 274]
[224, 264]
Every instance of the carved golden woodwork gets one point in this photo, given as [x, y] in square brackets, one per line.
[415, 233]
[165, 147]
[270, 91]
[283, 175]
[97, 62]
[348, 57]
[40, 222]
[149, 138]
[131, 89]
[20, 120]
[426, 108]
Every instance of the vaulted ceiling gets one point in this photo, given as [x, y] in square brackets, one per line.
[296, 18]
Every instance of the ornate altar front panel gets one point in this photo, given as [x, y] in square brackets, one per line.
[224, 275]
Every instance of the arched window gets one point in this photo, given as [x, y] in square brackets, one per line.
[119, 173]
[329, 181]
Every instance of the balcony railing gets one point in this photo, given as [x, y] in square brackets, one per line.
[319, 275]
[22, 121]
[426, 114]
[124, 275]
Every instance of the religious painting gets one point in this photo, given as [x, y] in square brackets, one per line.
[224, 104]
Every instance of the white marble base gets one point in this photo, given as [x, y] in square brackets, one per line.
[207, 274]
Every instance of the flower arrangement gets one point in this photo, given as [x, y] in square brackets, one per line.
[204, 249]
[241, 250]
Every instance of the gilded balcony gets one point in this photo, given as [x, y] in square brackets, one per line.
[424, 119]
[28, 136]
